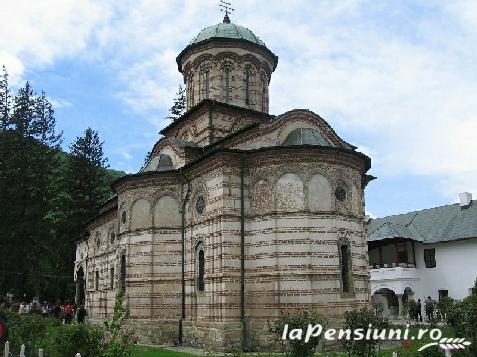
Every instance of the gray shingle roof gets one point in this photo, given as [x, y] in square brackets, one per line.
[439, 224]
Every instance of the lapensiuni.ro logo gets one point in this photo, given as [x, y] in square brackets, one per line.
[435, 334]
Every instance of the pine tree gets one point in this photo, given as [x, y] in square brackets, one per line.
[5, 101]
[27, 159]
[84, 179]
[179, 106]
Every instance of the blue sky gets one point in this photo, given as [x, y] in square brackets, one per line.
[398, 79]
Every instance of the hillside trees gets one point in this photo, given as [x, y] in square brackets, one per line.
[27, 157]
[46, 196]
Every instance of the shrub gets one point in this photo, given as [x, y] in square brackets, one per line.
[28, 329]
[77, 338]
[362, 319]
[118, 340]
[301, 320]
[462, 316]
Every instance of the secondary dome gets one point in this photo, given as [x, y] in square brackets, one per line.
[227, 30]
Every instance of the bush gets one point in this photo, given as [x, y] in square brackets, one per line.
[462, 316]
[301, 320]
[118, 340]
[362, 319]
[28, 329]
[77, 338]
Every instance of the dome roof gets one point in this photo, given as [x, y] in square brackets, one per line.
[227, 30]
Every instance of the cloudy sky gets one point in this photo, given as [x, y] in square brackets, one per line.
[396, 78]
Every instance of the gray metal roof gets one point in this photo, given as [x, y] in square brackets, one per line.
[227, 30]
[439, 224]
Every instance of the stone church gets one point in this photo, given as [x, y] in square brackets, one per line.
[238, 216]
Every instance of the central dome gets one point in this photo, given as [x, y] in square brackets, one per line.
[227, 30]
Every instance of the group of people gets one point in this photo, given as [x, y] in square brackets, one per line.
[415, 309]
[67, 313]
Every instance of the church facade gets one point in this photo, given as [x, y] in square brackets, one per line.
[239, 215]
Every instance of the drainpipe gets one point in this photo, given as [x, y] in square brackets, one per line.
[184, 202]
[242, 252]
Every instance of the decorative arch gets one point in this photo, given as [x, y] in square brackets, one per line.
[305, 136]
[289, 192]
[140, 214]
[167, 212]
[319, 193]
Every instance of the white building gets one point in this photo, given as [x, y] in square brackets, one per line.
[432, 252]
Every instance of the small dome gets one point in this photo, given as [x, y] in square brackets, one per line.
[227, 30]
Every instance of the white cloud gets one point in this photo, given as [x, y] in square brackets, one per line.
[403, 75]
[34, 34]
[60, 103]
[127, 156]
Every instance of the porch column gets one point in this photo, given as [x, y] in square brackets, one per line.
[399, 296]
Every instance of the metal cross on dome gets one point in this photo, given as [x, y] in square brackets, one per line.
[227, 8]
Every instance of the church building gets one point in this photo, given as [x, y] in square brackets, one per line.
[238, 217]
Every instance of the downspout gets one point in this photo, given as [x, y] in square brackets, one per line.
[242, 252]
[184, 202]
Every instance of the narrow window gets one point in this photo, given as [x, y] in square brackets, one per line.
[345, 262]
[191, 92]
[207, 84]
[247, 87]
[430, 258]
[123, 273]
[201, 83]
[123, 216]
[111, 278]
[97, 280]
[200, 282]
[227, 85]
[112, 236]
[345, 268]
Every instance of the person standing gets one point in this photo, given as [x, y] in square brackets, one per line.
[68, 313]
[81, 314]
[418, 310]
[429, 306]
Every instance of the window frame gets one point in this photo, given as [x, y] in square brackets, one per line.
[430, 258]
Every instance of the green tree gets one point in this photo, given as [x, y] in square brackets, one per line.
[27, 158]
[83, 190]
[5, 100]
[179, 106]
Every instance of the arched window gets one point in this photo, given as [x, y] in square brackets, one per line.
[306, 136]
[200, 266]
[345, 265]
[122, 281]
[165, 162]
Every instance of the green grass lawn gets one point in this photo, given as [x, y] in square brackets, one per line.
[158, 352]
[385, 352]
